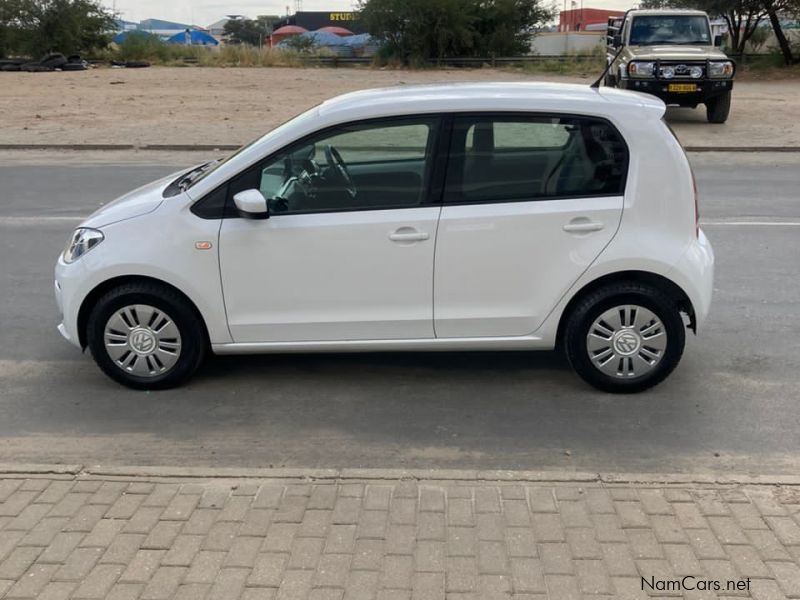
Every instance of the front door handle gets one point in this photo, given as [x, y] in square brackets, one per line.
[408, 234]
[582, 226]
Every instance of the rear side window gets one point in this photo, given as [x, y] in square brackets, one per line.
[510, 158]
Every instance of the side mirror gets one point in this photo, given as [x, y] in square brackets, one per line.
[718, 40]
[617, 41]
[251, 204]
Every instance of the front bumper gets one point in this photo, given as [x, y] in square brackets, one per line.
[67, 287]
[706, 90]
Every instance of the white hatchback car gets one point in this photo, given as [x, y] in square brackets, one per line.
[505, 216]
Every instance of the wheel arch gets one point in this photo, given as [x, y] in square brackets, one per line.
[669, 287]
[104, 287]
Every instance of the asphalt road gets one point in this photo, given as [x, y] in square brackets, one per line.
[732, 406]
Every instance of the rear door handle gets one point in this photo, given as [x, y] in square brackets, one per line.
[408, 234]
[583, 226]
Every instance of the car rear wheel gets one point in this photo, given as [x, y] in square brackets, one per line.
[146, 336]
[718, 109]
[625, 338]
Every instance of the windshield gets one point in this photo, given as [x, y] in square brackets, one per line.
[653, 30]
[190, 178]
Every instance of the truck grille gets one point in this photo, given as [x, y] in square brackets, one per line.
[682, 69]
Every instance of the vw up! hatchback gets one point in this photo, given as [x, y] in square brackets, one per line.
[503, 216]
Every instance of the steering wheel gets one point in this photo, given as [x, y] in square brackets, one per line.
[335, 160]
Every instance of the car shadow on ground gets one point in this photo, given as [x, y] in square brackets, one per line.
[384, 363]
[687, 116]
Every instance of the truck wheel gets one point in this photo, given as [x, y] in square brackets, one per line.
[718, 109]
[609, 81]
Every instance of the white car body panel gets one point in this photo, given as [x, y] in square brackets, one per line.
[329, 276]
[500, 268]
[148, 247]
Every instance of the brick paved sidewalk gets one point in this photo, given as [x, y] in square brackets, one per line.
[92, 537]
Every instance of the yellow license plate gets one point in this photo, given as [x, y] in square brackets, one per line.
[682, 87]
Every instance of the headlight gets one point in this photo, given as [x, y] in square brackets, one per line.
[696, 72]
[83, 240]
[641, 69]
[667, 72]
[720, 70]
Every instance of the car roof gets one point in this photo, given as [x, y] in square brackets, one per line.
[487, 97]
[666, 11]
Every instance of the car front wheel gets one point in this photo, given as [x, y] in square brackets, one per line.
[146, 336]
[625, 338]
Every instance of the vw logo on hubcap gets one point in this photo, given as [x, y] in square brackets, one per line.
[626, 342]
[142, 341]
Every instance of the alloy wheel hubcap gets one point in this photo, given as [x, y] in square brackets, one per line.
[626, 341]
[142, 340]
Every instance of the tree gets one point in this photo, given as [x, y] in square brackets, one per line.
[505, 27]
[70, 26]
[34, 27]
[419, 30]
[12, 26]
[773, 9]
[252, 32]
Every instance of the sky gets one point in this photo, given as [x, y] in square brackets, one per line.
[205, 12]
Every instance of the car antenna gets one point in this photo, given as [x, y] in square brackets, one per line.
[596, 84]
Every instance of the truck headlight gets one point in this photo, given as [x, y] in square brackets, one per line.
[641, 69]
[83, 240]
[720, 70]
[667, 72]
[696, 72]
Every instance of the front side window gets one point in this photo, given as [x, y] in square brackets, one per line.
[508, 158]
[670, 29]
[358, 167]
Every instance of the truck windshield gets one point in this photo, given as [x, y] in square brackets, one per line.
[650, 30]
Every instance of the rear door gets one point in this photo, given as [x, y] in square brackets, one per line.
[530, 202]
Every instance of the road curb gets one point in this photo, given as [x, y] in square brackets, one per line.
[68, 147]
[39, 469]
[232, 147]
[335, 475]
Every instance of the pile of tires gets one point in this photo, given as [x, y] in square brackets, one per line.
[53, 61]
[12, 64]
[130, 64]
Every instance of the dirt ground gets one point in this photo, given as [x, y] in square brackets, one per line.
[192, 105]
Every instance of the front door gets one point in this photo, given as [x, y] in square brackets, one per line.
[530, 202]
[347, 252]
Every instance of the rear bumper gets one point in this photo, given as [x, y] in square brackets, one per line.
[694, 273]
[706, 90]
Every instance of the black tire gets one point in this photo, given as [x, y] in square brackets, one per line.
[35, 68]
[718, 109]
[595, 304]
[194, 340]
[609, 81]
[74, 67]
[54, 60]
[137, 64]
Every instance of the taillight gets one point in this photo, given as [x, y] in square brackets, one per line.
[696, 207]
